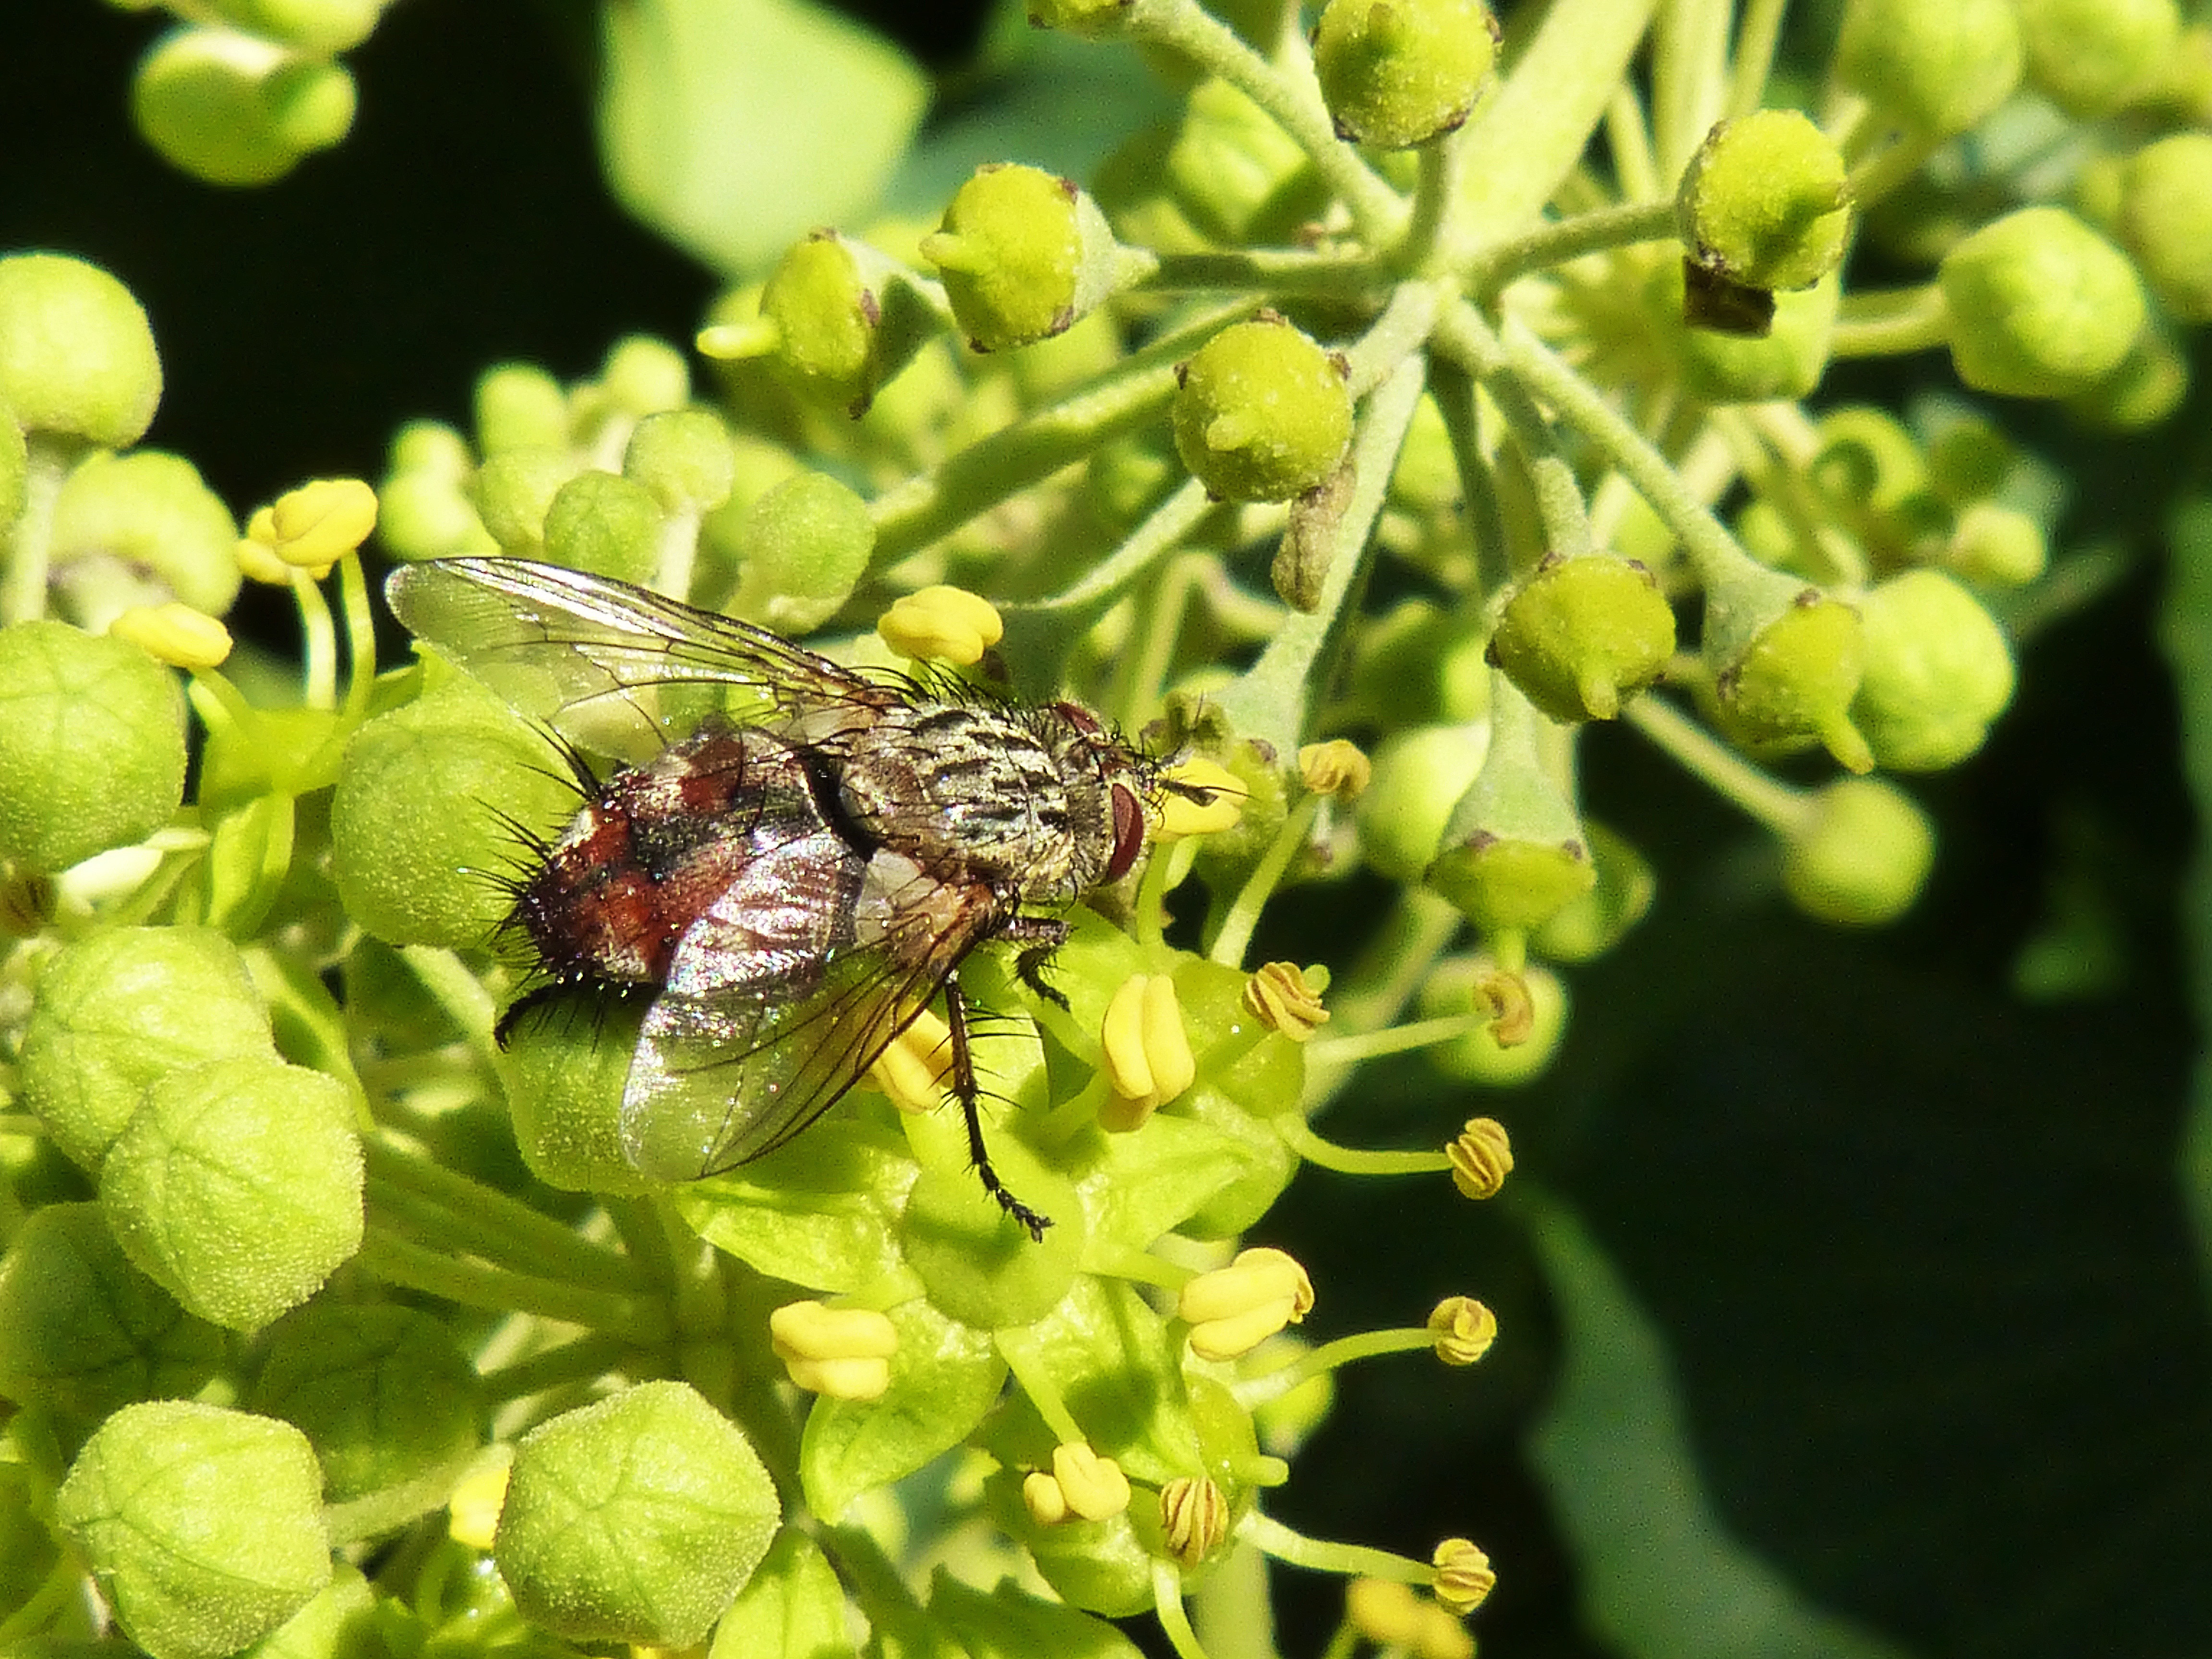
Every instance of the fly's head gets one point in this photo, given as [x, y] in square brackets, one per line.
[1117, 789]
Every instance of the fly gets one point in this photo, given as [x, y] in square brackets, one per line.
[793, 858]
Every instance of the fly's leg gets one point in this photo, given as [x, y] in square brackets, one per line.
[1038, 937]
[965, 1090]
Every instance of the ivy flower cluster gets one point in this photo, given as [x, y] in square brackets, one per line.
[1358, 439]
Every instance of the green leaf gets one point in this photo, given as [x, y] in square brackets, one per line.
[1107, 1354]
[793, 1607]
[1660, 1575]
[1009, 1622]
[736, 126]
[821, 1210]
[945, 1377]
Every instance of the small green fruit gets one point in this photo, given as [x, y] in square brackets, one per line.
[1262, 413]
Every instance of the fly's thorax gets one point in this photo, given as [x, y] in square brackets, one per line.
[1018, 800]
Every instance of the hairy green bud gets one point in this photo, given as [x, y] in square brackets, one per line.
[514, 491]
[231, 109]
[2041, 306]
[140, 529]
[92, 744]
[637, 1519]
[1860, 855]
[1765, 202]
[311, 28]
[1262, 413]
[2089, 57]
[1398, 73]
[203, 1526]
[1023, 255]
[2166, 221]
[1581, 634]
[838, 319]
[1420, 773]
[1786, 661]
[519, 406]
[802, 548]
[1938, 69]
[606, 524]
[1938, 670]
[76, 354]
[1997, 545]
[236, 1186]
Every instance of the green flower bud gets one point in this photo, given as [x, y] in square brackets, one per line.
[637, 1519]
[1938, 670]
[838, 321]
[384, 1394]
[1262, 413]
[203, 1526]
[563, 1080]
[514, 491]
[92, 745]
[1969, 459]
[1398, 73]
[314, 28]
[1454, 986]
[1581, 633]
[1764, 201]
[230, 109]
[519, 406]
[76, 354]
[1514, 854]
[1237, 174]
[418, 841]
[1938, 70]
[683, 457]
[2000, 546]
[2142, 392]
[423, 510]
[606, 524]
[118, 1009]
[1419, 774]
[138, 529]
[236, 1186]
[802, 549]
[1786, 661]
[1860, 856]
[2166, 221]
[645, 375]
[2089, 57]
[1023, 255]
[2041, 306]
[1785, 362]
[84, 1333]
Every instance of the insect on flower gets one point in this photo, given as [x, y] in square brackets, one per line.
[793, 858]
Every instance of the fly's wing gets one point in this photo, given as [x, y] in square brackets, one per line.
[597, 659]
[744, 1050]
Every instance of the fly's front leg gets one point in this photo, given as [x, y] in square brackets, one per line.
[965, 1090]
[1038, 937]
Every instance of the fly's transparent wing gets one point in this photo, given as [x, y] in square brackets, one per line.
[730, 1065]
[606, 664]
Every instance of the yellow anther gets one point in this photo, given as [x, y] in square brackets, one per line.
[1463, 1580]
[1195, 1516]
[174, 634]
[258, 558]
[1145, 1053]
[1463, 1329]
[1181, 815]
[1286, 998]
[1482, 1158]
[843, 1352]
[311, 527]
[1336, 768]
[1512, 1007]
[942, 624]
[913, 1070]
[1232, 1309]
[1094, 1487]
[472, 1512]
[1044, 1500]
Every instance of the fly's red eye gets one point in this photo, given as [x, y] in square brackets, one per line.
[1128, 832]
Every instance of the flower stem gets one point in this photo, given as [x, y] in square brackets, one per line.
[1775, 805]
[1891, 322]
[1351, 1559]
[387, 1255]
[1272, 1385]
[1352, 1160]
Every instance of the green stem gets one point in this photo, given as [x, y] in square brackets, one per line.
[319, 651]
[1433, 227]
[1780, 808]
[1292, 98]
[456, 990]
[1167, 1606]
[29, 547]
[1243, 914]
[1272, 1385]
[1689, 76]
[1396, 334]
[1454, 390]
[1270, 701]
[1755, 39]
[1353, 1560]
[386, 1255]
[1555, 243]
[360, 624]
[1395, 1040]
[579, 1361]
[510, 1229]
[1299, 1136]
[1287, 271]
[1164, 526]
[1891, 322]
[1880, 174]
[1034, 1381]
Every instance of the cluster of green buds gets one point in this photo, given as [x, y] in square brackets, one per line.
[1358, 444]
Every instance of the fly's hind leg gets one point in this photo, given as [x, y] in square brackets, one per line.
[1038, 938]
[965, 1090]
